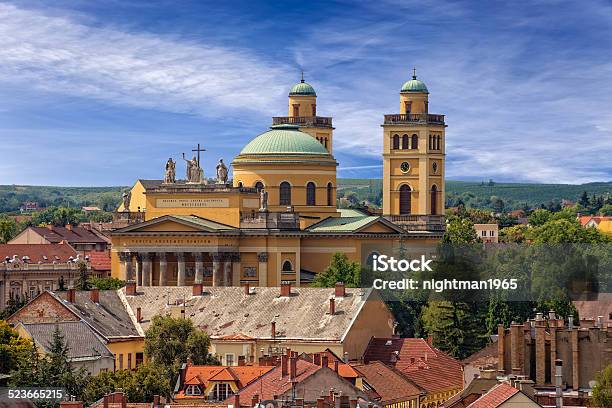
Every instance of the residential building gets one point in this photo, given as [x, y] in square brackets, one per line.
[81, 239]
[104, 311]
[388, 386]
[599, 306]
[440, 375]
[29, 269]
[488, 233]
[86, 348]
[479, 362]
[246, 323]
[503, 395]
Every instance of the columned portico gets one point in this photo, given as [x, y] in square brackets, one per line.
[180, 260]
[199, 267]
[217, 258]
[147, 271]
[163, 269]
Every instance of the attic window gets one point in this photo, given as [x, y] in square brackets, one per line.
[193, 390]
[45, 257]
[388, 343]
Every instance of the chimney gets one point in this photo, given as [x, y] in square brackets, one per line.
[284, 365]
[299, 402]
[316, 359]
[70, 295]
[353, 403]
[247, 289]
[288, 352]
[340, 290]
[558, 382]
[285, 289]
[600, 322]
[570, 322]
[95, 295]
[130, 288]
[540, 350]
[332, 306]
[273, 329]
[105, 401]
[155, 401]
[197, 289]
[236, 400]
[345, 357]
[292, 368]
[255, 400]
[321, 402]
[336, 364]
[71, 404]
[324, 360]
[138, 314]
[122, 400]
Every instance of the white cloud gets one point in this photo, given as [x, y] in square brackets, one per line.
[59, 55]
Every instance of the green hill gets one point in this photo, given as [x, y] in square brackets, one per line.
[474, 194]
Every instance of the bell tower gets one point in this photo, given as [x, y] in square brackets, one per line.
[413, 155]
[303, 113]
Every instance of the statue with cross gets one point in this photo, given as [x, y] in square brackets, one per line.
[194, 173]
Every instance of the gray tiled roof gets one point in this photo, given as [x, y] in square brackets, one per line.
[226, 311]
[81, 340]
[109, 317]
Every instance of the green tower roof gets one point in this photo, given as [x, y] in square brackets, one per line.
[414, 85]
[302, 88]
[286, 139]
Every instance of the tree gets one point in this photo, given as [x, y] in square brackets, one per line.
[602, 391]
[460, 231]
[584, 200]
[340, 269]
[12, 348]
[539, 217]
[14, 303]
[8, 229]
[170, 341]
[109, 283]
[606, 210]
[83, 282]
[564, 231]
[516, 234]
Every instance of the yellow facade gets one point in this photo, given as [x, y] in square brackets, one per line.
[126, 352]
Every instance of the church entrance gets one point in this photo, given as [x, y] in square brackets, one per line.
[405, 199]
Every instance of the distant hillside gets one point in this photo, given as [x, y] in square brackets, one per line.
[475, 194]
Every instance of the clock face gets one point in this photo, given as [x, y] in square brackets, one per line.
[404, 167]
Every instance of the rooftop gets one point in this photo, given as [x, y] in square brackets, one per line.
[203, 375]
[71, 234]
[390, 384]
[302, 89]
[43, 253]
[495, 397]
[284, 139]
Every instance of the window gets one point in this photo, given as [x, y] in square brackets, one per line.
[405, 142]
[121, 361]
[434, 199]
[229, 359]
[370, 259]
[129, 365]
[330, 194]
[287, 267]
[296, 110]
[259, 186]
[139, 358]
[314, 109]
[408, 106]
[491, 233]
[250, 272]
[311, 198]
[220, 392]
[405, 199]
[193, 390]
[396, 142]
[414, 142]
[483, 233]
[240, 184]
[285, 193]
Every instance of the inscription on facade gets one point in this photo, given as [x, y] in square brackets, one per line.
[192, 203]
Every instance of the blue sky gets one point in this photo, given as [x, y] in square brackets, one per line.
[102, 93]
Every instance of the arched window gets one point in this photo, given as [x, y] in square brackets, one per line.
[405, 199]
[330, 194]
[285, 193]
[434, 199]
[438, 142]
[287, 267]
[370, 259]
[259, 186]
[240, 184]
[311, 198]
[395, 142]
[414, 143]
[405, 142]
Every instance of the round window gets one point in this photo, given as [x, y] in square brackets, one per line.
[405, 167]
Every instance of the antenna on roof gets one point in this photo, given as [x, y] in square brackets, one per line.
[302, 76]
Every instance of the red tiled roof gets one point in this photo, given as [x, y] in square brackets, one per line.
[100, 260]
[38, 252]
[73, 234]
[422, 363]
[202, 375]
[389, 383]
[273, 384]
[495, 397]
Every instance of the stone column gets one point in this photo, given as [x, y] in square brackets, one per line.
[262, 258]
[575, 359]
[227, 270]
[163, 269]
[180, 279]
[199, 267]
[540, 350]
[298, 268]
[147, 270]
[122, 265]
[236, 270]
[138, 270]
[216, 278]
[129, 272]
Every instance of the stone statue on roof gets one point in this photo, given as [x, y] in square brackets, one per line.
[170, 174]
[221, 172]
[263, 200]
[193, 173]
[127, 196]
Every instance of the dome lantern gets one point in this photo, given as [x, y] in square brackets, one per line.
[414, 85]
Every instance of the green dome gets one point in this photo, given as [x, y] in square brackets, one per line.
[414, 85]
[302, 88]
[284, 139]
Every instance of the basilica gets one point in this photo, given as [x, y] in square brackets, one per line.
[277, 219]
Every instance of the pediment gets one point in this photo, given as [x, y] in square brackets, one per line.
[172, 223]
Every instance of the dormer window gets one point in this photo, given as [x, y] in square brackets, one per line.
[193, 390]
